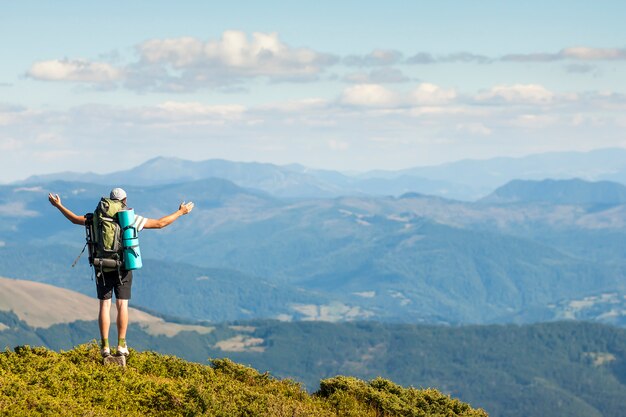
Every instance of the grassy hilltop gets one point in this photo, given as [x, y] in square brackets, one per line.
[38, 381]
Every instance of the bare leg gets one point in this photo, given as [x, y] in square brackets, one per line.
[104, 318]
[122, 318]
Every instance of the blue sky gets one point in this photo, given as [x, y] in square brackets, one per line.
[341, 85]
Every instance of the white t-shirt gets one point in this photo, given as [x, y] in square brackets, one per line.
[139, 222]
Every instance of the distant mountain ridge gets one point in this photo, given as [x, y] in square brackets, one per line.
[464, 180]
[290, 181]
[595, 165]
[572, 192]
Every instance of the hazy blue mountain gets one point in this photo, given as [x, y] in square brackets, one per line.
[407, 184]
[465, 180]
[603, 164]
[30, 217]
[407, 270]
[292, 181]
[385, 186]
[566, 192]
[280, 181]
[412, 258]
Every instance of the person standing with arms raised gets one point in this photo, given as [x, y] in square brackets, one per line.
[117, 281]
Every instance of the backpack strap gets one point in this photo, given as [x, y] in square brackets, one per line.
[119, 272]
[79, 255]
[135, 234]
[101, 275]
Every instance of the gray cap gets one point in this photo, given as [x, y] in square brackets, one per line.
[118, 194]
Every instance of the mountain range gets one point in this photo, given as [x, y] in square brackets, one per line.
[528, 252]
[562, 192]
[400, 263]
[464, 180]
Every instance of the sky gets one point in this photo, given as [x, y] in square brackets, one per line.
[343, 85]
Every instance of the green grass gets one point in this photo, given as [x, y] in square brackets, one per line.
[38, 381]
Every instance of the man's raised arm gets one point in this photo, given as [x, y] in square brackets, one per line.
[55, 200]
[183, 209]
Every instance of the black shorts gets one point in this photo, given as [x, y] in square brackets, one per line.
[112, 283]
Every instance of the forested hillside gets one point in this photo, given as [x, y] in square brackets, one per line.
[571, 369]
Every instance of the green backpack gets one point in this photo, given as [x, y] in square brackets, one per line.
[106, 251]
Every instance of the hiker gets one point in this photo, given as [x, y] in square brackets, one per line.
[118, 281]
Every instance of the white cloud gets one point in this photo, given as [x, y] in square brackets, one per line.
[179, 52]
[465, 57]
[188, 64]
[262, 55]
[75, 70]
[375, 58]
[14, 114]
[593, 54]
[178, 115]
[369, 95]
[428, 94]
[361, 121]
[581, 53]
[534, 121]
[449, 111]
[390, 57]
[375, 95]
[532, 57]
[422, 58]
[297, 105]
[518, 93]
[191, 109]
[379, 76]
[475, 129]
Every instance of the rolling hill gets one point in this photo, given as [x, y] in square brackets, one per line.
[41, 306]
[176, 289]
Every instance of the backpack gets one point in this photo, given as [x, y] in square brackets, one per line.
[104, 236]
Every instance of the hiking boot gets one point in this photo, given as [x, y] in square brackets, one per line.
[122, 351]
[105, 351]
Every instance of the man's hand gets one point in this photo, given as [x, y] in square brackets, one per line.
[186, 207]
[54, 199]
[183, 209]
